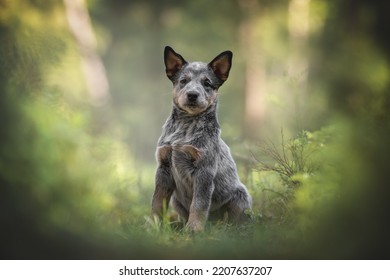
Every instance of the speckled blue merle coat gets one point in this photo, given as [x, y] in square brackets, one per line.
[196, 171]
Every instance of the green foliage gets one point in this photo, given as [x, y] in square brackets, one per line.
[290, 160]
[283, 170]
[77, 180]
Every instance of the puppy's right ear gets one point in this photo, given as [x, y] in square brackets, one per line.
[174, 62]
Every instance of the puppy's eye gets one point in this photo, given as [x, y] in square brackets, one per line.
[183, 81]
[207, 83]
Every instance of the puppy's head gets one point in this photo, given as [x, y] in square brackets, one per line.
[196, 83]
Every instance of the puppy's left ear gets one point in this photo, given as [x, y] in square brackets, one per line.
[221, 65]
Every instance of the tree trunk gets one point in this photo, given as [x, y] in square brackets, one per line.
[298, 26]
[255, 73]
[93, 68]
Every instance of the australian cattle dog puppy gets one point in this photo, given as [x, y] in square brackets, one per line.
[196, 171]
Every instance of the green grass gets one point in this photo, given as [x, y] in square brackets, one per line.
[83, 196]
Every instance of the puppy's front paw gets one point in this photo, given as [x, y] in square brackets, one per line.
[194, 226]
[194, 153]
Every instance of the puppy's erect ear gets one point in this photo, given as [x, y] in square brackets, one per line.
[221, 65]
[173, 62]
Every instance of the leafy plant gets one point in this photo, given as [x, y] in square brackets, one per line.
[290, 159]
[283, 168]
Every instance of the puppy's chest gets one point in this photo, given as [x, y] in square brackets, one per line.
[184, 154]
[183, 145]
[181, 134]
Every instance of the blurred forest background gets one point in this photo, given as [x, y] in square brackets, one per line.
[83, 97]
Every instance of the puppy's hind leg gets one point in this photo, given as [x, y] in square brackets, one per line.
[165, 184]
[183, 213]
[239, 206]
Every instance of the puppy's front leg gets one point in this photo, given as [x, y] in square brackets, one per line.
[165, 184]
[201, 201]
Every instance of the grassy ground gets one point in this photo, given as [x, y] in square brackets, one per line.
[70, 194]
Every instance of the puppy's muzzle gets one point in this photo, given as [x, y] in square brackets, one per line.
[192, 97]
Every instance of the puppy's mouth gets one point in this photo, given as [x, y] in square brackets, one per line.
[192, 104]
[194, 107]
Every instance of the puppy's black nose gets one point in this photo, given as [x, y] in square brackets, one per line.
[192, 96]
